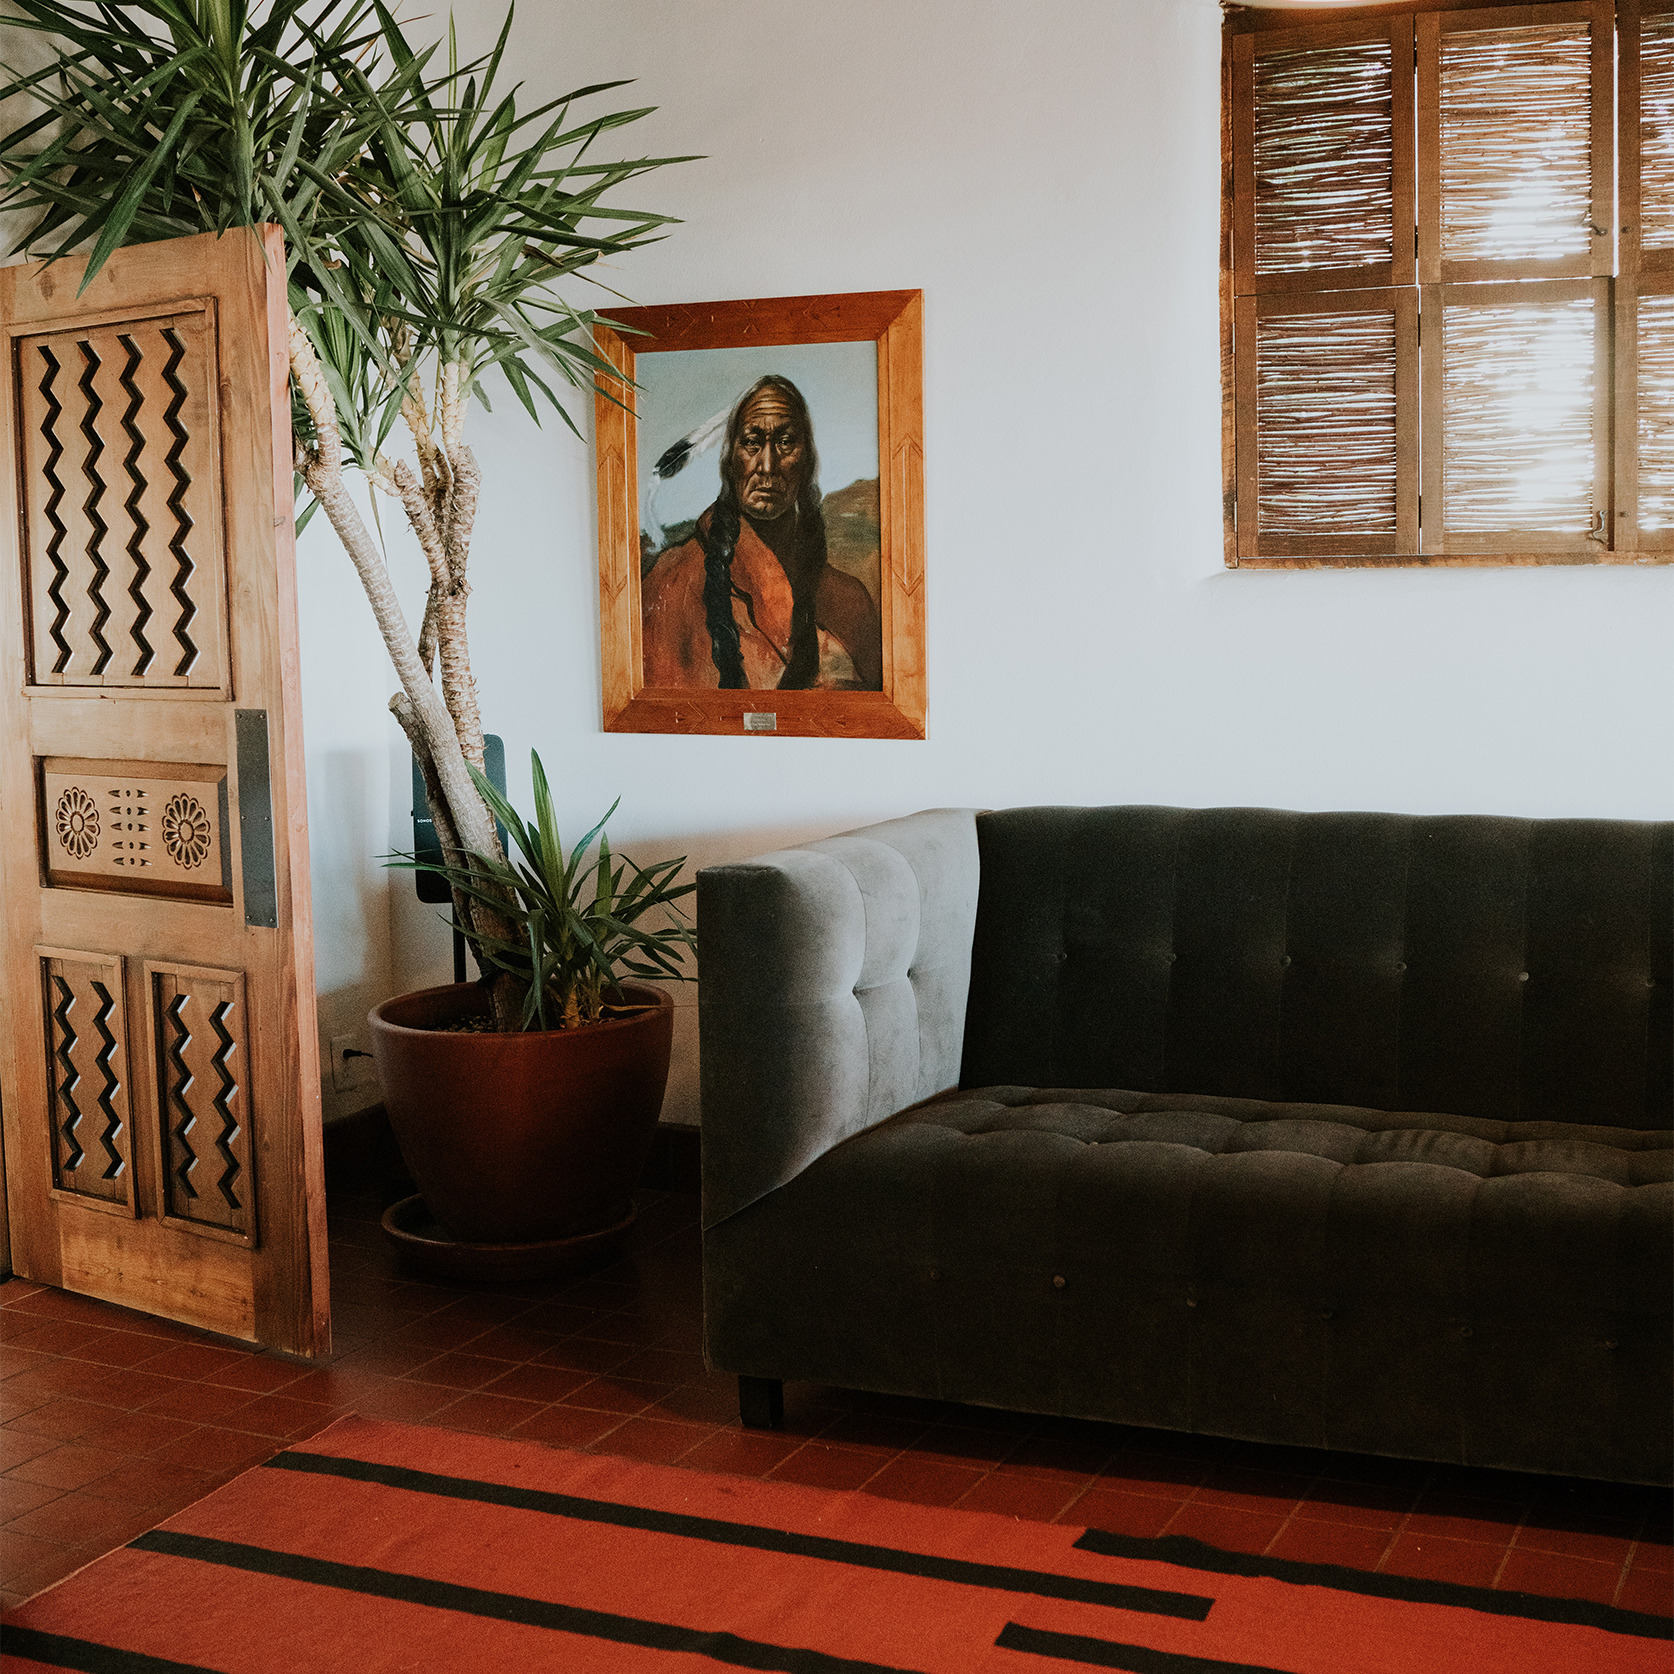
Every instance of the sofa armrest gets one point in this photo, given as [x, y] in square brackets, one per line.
[832, 994]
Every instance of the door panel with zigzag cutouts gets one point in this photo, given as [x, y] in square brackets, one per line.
[87, 1053]
[159, 1077]
[202, 1042]
[122, 514]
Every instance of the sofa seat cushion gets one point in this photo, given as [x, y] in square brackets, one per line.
[1493, 1292]
[1319, 1202]
[1339, 1133]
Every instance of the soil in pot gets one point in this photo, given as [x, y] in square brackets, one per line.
[518, 1138]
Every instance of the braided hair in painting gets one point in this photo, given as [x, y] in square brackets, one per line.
[719, 541]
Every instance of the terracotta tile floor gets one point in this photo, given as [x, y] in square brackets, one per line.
[110, 1422]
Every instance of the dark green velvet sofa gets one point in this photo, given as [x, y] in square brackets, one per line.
[1333, 1130]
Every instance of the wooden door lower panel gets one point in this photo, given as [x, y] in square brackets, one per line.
[159, 1270]
[155, 1125]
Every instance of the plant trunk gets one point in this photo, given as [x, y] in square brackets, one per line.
[423, 714]
[471, 820]
[505, 990]
[459, 686]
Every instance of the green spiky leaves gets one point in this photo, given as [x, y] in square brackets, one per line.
[421, 206]
[577, 916]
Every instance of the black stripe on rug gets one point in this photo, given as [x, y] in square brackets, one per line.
[1189, 1607]
[59, 1650]
[503, 1607]
[1106, 1653]
[1188, 1553]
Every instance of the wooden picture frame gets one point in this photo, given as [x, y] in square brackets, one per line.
[894, 321]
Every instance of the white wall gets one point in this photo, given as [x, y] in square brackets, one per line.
[1048, 174]
[346, 684]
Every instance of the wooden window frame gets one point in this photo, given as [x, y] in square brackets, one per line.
[1614, 272]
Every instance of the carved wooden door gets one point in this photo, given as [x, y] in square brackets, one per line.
[159, 1077]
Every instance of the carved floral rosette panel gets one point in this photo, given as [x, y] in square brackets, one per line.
[142, 827]
[203, 1076]
[119, 485]
[87, 1075]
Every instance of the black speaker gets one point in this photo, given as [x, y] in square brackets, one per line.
[431, 886]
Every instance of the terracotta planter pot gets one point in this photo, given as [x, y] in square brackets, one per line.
[515, 1138]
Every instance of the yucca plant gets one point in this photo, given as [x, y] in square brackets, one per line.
[428, 221]
[156, 119]
[576, 920]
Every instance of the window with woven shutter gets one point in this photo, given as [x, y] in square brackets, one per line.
[1443, 348]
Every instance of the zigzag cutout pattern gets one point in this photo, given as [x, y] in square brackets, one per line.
[90, 509]
[229, 1122]
[67, 1087]
[182, 518]
[113, 1120]
[177, 1094]
[136, 541]
[60, 570]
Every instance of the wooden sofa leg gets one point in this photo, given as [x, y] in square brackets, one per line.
[761, 1403]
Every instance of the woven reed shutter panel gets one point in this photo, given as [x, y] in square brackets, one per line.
[1322, 164]
[1516, 165]
[1515, 141]
[1644, 315]
[1325, 423]
[1516, 218]
[1324, 159]
[1516, 383]
[1331, 423]
[1656, 138]
[1325, 334]
[1655, 428]
[1521, 413]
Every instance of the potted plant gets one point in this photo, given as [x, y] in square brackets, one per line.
[561, 1111]
[429, 222]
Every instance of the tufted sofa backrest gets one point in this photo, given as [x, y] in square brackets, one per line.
[1505, 968]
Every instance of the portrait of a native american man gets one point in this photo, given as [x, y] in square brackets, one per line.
[750, 598]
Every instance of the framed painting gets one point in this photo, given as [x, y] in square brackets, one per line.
[761, 517]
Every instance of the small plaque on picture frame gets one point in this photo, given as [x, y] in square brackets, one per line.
[761, 517]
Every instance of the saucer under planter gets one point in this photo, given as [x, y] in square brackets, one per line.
[426, 1248]
[519, 1139]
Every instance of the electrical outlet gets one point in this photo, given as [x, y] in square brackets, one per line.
[351, 1064]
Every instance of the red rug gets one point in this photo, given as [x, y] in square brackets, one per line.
[385, 1546]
